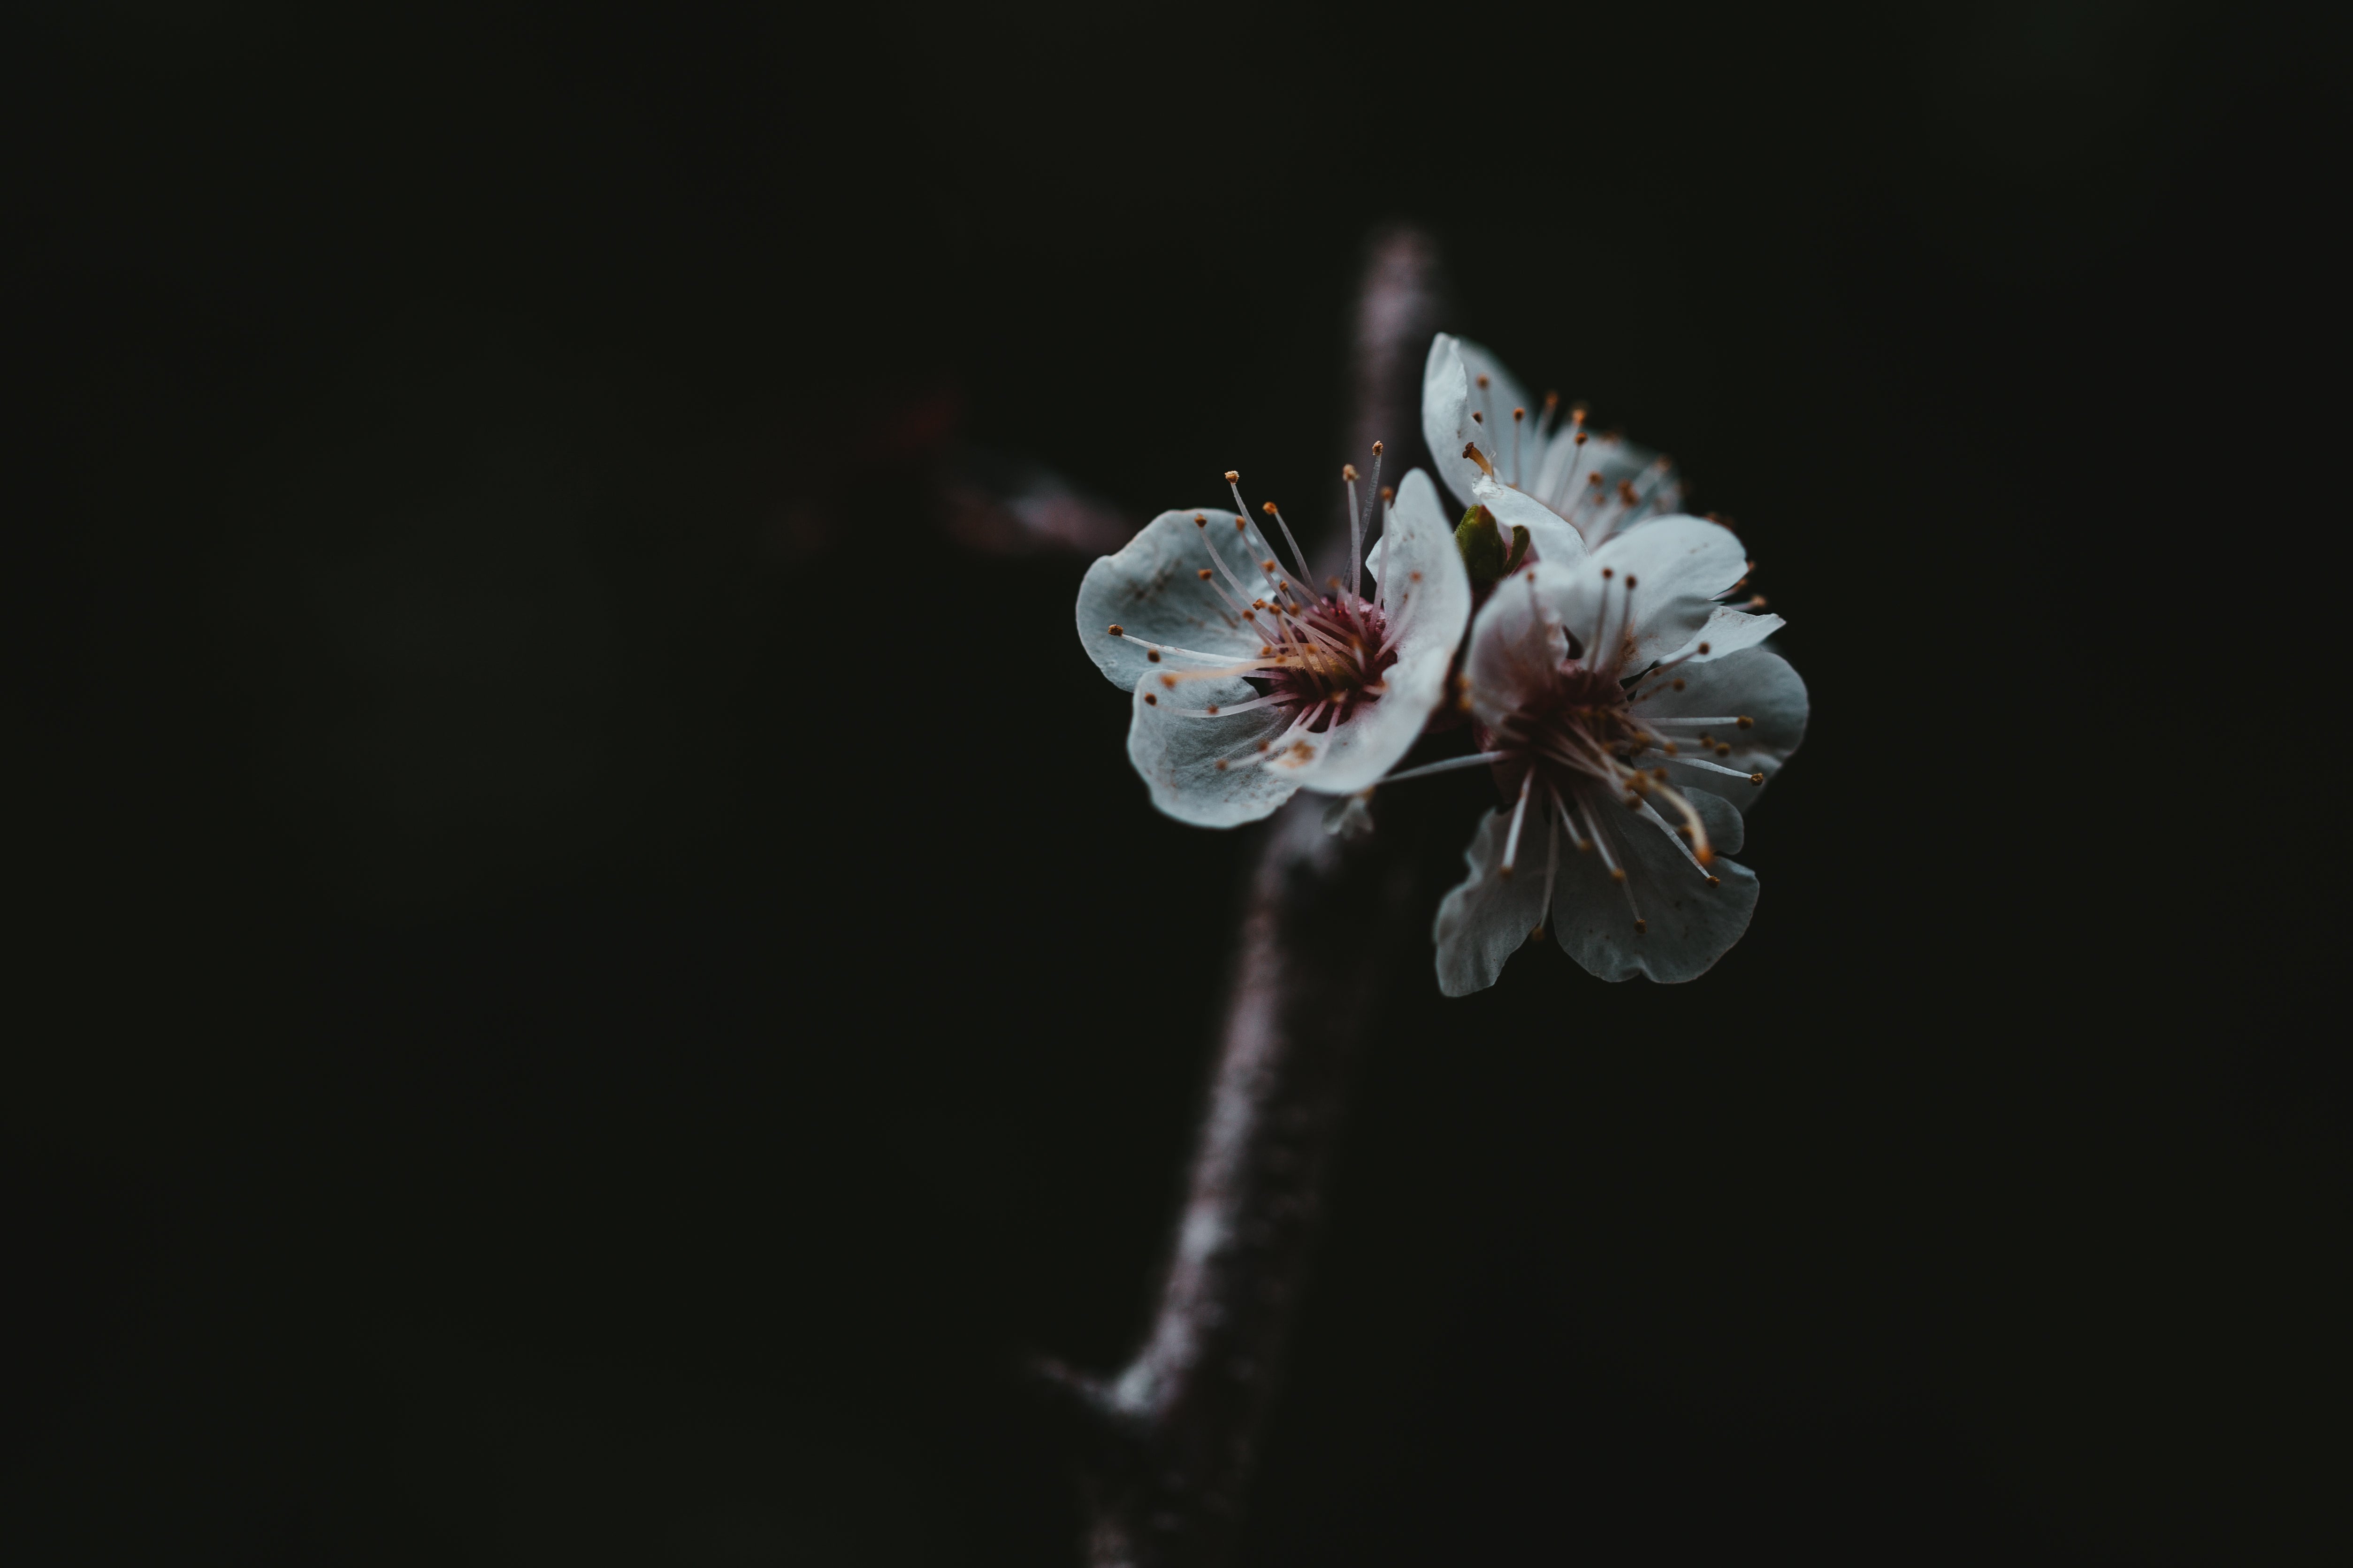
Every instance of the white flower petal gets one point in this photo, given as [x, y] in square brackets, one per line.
[1413, 491]
[1727, 831]
[1153, 588]
[1433, 595]
[1691, 925]
[1446, 423]
[1502, 393]
[1517, 641]
[1566, 480]
[1428, 603]
[1678, 566]
[1496, 401]
[1727, 632]
[1756, 684]
[1567, 471]
[1549, 534]
[1485, 918]
[1178, 756]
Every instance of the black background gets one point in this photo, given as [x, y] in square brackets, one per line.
[588, 972]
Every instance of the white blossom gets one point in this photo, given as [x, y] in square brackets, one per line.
[1628, 719]
[1247, 683]
[1571, 488]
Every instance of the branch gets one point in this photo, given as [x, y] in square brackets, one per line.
[1173, 1436]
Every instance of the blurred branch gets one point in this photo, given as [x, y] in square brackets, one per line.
[1175, 1432]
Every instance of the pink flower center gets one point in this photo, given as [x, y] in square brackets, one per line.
[1570, 731]
[1337, 648]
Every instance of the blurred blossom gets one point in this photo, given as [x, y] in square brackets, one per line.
[1003, 506]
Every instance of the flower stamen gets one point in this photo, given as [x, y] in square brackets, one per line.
[1127, 636]
[1220, 710]
[1552, 872]
[1519, 815]
[1298, 556]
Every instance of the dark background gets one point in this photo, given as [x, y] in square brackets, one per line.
[589, 968]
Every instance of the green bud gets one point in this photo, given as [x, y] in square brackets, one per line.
[1482, 544]
[1519, 550]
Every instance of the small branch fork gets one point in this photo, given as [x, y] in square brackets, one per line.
[1167, 1445]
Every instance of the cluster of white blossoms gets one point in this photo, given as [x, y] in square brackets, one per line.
[1627, 713]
